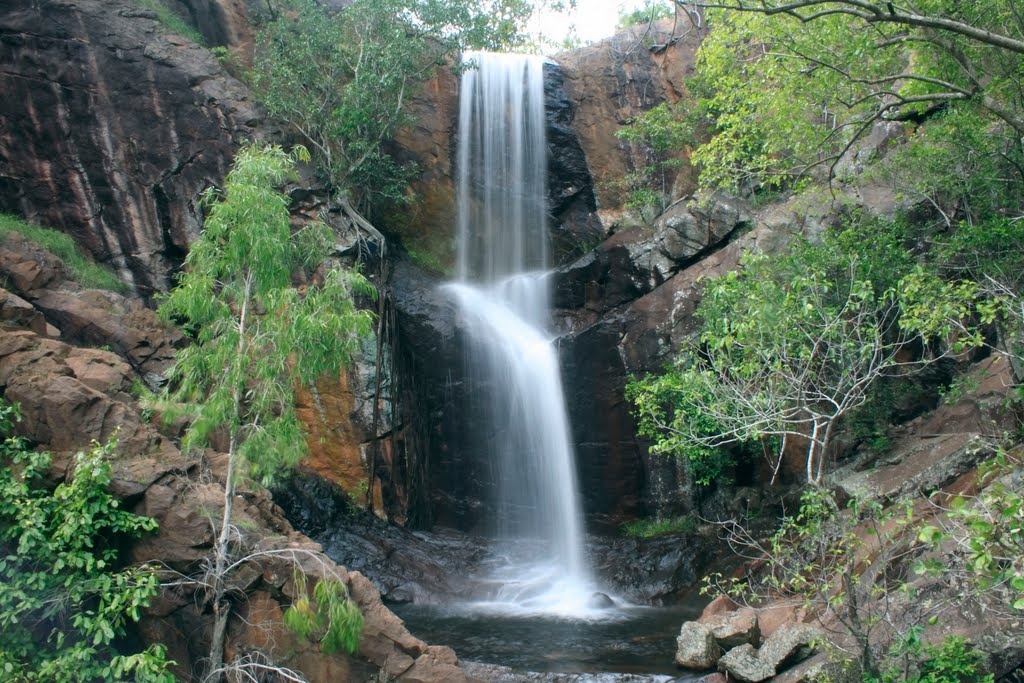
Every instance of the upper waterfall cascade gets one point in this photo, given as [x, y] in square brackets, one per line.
[502, 294]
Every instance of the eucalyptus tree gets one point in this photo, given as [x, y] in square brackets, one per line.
[255, 337]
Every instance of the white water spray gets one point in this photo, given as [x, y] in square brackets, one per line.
[502, 294]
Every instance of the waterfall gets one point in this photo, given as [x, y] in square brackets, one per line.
[502, 296]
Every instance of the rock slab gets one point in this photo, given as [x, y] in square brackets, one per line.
[696, 647]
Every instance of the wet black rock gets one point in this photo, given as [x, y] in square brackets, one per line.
[571, 199]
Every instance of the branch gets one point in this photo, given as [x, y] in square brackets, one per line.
[867, 12]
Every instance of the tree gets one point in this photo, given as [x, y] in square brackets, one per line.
[255, 336]
[792, 84]
[342, 79]
[787, 350]
[64, 601]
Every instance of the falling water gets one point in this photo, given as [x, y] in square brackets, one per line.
[503, 298]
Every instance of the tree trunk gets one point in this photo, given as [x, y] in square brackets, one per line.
[812, 450]
[221, 607]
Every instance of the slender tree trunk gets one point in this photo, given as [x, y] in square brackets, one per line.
[221, 606]
[824, 449]
[812, 450]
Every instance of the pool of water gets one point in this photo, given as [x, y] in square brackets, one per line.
[628, 640]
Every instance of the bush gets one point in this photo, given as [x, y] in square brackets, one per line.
[64, 603]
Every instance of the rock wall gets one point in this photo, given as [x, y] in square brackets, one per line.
[71, 395]
[110, 129]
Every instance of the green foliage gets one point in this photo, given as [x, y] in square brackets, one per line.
[649, 528]
[663, 128]
[972, 286]
[989, 529]
[650, 12]
[667, 399]
[788, 347]
[961, 165]
[172, 21]
[342, 79]
[80, 267]
[952, 661]
[255, 335]
[784, 91]
[329, 617]
[662, 131]
[64, 602]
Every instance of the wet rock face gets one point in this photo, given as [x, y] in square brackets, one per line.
[111, 129]
[571, 197]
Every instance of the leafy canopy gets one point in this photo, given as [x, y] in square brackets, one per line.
[790, 85]
[342, 79]
[787, 348]
[64, 600]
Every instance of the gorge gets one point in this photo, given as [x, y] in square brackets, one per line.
[486, 469]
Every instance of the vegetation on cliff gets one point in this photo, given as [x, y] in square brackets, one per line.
[80, 266]
[65, 600]
[794, 346]
[808, 343]
[342, 79]
[255, 337]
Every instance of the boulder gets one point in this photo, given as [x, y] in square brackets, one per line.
[744, 664]
[723, 604]
[732, 629]
[687, 229]
[696, 647]
[713, 678]
[790, 643]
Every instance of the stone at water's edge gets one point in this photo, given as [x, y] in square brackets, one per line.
[734, 628]
[696, 647]
[788, 644]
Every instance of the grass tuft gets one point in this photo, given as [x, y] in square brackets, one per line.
[80, 267]
[173, 21]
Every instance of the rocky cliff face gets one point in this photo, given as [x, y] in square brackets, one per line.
[110, 129]
[70, 395]
[614, 80]
[589, 94]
